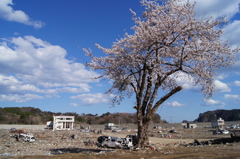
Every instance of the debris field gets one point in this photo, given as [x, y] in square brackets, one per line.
[51, 143]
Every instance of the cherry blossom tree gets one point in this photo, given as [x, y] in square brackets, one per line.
[168, 42]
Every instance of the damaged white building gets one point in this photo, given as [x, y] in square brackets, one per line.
[63, 122]
[218, 123]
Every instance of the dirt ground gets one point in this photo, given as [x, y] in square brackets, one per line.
[62, 144]
[207, 152]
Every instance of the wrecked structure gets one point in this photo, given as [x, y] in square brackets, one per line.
[219, 123]
[189, 125]
[20, 135]
[110, 126]
[62, 122]
[49, 125]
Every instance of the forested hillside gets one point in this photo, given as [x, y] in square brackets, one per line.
[30, 115]
[227, 115]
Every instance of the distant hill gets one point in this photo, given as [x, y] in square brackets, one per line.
[34, 116]
[227, 115]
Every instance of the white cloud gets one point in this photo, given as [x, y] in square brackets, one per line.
[90, 99]
[175, 104]
[28, 64]
[10, 84]
[221, 87]
[220, 76]
[74, 89]
[231, 33]
[19, 98]
[9, 14]
[210, 102]
[215, 8]
[237, 83]
[220, 8]
[232, 96]
[186, 81]
[74, 104]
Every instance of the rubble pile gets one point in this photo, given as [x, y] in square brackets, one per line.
[47, 142]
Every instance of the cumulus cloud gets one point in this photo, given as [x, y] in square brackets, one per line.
[84, 88]
[220, 8]
[31, 65]
[19, 98]
[221, 87]
[231, 33]
[74, 104]
[11, 85]
[211, 102]
[237, 83]
[174, 104]
[9, 14]
[232, 96]
[220, 76]
[186, 81]
[90, 99]
[215, 8]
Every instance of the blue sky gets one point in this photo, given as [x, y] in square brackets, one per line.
[42, 64]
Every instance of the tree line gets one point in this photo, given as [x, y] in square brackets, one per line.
[35, 116]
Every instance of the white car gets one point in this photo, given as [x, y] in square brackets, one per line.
[225, 132]
[112, 142]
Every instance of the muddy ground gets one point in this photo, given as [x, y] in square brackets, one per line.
[81, 144]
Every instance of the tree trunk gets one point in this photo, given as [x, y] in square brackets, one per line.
[144, 120]
[143, 139]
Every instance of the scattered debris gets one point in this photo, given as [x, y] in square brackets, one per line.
[28, 137]
[5, 154]
[16, 131]
[235, 135]
[172, 131]
[20, 135]
[20, 142]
